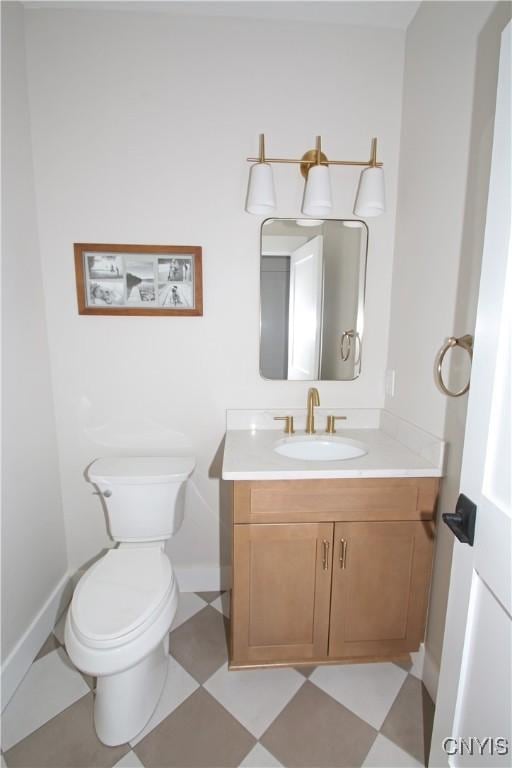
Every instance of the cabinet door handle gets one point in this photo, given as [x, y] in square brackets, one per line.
[325, 556]
[343, 554]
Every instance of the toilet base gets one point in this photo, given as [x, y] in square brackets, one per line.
[125, 701]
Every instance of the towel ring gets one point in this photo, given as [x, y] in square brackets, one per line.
[466, 342]
[346, 349]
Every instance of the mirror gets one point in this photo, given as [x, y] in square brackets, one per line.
[312, 280]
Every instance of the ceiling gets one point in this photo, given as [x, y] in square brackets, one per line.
[395, 14]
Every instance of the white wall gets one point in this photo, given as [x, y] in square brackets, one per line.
[141, 124]
[33, 543]
[449, 99]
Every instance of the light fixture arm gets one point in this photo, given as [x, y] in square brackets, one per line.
[318, 150]
[373, 155]
[311, 157]
[262, 148]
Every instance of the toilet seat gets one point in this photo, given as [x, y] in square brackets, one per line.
[120, 596]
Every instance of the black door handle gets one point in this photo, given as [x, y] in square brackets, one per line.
[462, 521]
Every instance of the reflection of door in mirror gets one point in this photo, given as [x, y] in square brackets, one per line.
[305, 310]
[312, 296]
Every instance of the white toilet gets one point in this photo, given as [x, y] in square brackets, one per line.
[123, 607]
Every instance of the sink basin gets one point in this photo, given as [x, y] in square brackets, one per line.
[320, 448]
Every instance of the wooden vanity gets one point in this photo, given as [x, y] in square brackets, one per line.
[329, 571]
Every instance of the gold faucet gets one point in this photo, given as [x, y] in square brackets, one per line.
[313, 399]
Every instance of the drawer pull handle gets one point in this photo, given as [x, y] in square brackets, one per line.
[343, 554]
[325, 557]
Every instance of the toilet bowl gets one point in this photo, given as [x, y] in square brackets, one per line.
[123, 607]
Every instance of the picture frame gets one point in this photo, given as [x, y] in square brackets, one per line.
[139, 279]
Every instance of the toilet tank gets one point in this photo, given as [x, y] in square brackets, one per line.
[144, 495]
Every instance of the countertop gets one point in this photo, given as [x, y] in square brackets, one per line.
[249, 455]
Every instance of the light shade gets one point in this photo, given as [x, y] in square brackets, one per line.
[371, 194]
[317, 192]
[261, 197]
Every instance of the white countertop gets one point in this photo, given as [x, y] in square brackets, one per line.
[249, 454]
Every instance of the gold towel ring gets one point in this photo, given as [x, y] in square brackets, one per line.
[466, 342]
[346, 349]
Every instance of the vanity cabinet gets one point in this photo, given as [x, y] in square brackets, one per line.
[327, 570]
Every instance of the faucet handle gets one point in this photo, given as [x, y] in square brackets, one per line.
[288, 423]
[331, 424]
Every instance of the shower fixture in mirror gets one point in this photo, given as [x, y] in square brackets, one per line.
[312, 283]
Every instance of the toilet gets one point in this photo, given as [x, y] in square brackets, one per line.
[123, 606]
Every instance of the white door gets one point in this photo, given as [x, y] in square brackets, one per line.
[305, 310]
[473, 720]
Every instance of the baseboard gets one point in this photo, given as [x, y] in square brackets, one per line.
[17, 664]
[207, 578]
[430, 675]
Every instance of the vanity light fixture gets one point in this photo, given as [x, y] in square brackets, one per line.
[314, 166]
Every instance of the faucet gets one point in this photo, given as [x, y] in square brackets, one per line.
[313, 399]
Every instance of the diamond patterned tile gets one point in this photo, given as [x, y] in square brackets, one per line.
[188, 604]
[223, 603]
[254, 696]
[404, 664]
[414, 664]
[410, 719]
[418, 660]
[200, 644]
[66, 740]
[50, 685]
[306, 671]
[368, 690]
[198, 733]
[178, 687]
[91, 681]
[209, 597]
[385, 754]
[314, 730]
[51, 644]
[130, 760]
[259, 757]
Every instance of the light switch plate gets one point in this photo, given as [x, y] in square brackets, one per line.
[390, 383]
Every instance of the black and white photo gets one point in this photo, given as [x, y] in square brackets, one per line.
[138, 279]
[106, 293]
[176, 282]
[104, 266]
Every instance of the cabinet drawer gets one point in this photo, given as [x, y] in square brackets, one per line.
[281, 501]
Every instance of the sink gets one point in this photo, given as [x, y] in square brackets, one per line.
[320, 448]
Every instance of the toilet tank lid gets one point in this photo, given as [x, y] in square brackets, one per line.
[141, 469]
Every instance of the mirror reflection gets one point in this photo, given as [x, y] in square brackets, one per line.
[312, 279]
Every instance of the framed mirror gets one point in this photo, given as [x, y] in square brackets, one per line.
[312, 283]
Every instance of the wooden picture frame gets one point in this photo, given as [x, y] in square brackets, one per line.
[139, 279]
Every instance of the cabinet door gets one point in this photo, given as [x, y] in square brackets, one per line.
[281, 592]
[381, 577]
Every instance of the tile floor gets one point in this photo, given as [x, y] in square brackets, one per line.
[371, 715]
